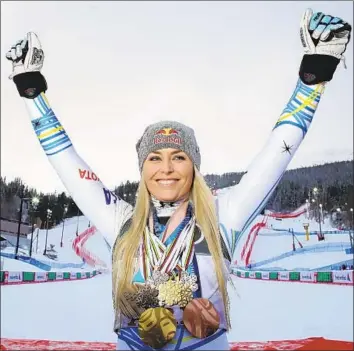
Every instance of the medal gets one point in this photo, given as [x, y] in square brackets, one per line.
[157, 278]
[146, 297]
[128, 306]
[178, 291]
[201, 318]
[188, 284]
[190, 280]
[157, 326]
[168, 293]
[185, 295]
[137, 302]
[156, 255]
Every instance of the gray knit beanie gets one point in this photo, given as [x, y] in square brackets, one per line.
[168, 134]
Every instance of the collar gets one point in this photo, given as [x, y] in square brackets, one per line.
[165, 209]
[161, 222]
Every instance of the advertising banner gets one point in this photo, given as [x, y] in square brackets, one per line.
[265, 275]
[344, 277]
[307, 276]
[14, 277]
[283, 276]
[40, 277]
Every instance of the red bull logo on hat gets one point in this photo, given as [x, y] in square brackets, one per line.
[167, 135]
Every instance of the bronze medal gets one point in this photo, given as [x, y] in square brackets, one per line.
[157, 327]
[134, 303]
[201, 318]
[146, 297]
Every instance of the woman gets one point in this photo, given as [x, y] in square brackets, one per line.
[170, 260]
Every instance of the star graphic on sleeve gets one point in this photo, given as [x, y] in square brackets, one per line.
[36, 123]
[287, 148]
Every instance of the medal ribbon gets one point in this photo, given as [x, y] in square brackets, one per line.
[155, 255]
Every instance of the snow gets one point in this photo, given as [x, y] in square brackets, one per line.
[277, 243]
[276, 239]
[72, 310]
[260, 310]
[82, 310]
[309, 260]
[18, 266]
[297, 224]
[65, 254]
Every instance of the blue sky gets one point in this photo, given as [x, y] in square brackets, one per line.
[225, 68]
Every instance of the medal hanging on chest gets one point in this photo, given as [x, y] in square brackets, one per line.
[159, 263]
[157, 326]
[167, 284]
[201, 318]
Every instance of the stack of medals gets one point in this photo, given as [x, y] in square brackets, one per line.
[164, 288]
[178, 291]
[157, 325]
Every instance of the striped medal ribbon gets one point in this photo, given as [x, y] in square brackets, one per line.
[156, 256]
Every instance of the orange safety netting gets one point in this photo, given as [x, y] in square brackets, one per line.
[305, 344]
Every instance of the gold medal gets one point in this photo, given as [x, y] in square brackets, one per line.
[201, 318]
[176, 292]
[157, 326]
[168, 293]
[185, 296]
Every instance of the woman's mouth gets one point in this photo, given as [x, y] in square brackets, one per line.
[167, 182]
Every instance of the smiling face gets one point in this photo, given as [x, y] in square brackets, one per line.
[168, 174]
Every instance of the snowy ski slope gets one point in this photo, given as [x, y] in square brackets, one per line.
[261, 310]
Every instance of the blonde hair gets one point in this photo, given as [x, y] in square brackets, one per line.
[126, 249]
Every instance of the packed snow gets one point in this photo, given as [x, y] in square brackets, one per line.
[275, 241]
[260, 310]
[82, 310]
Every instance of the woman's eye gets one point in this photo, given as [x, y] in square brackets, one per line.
[180, 157]
[176, 157]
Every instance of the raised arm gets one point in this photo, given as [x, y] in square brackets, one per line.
[324, 39]
[245, 201]
[104, 209]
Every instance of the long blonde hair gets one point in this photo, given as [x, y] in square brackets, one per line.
[126, 249]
